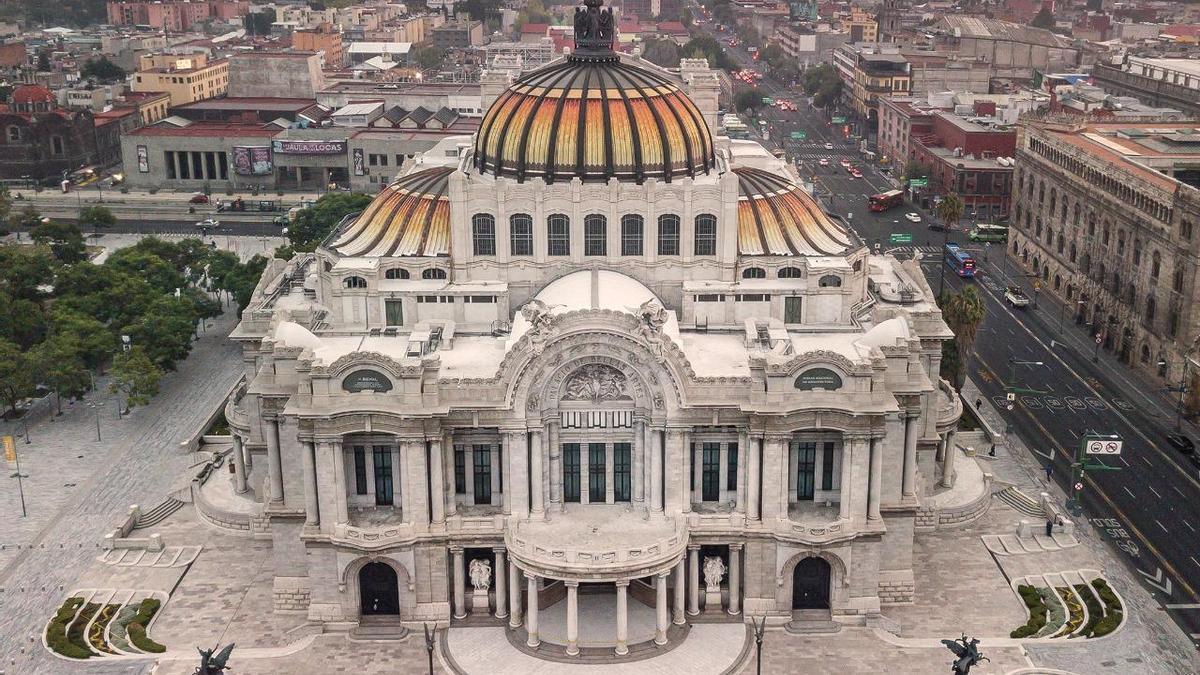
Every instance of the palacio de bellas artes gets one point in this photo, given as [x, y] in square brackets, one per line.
[594, 355]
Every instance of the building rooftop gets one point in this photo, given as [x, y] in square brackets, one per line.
[976, 27]
[249, 103]
[1142, 148]
[209, 129]
[1189, 66]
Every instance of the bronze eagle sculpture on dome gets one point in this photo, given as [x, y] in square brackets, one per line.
[593, 26]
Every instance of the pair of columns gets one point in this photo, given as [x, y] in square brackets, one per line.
[693, 583]
[499, 578]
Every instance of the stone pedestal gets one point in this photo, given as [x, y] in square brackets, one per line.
[479, 601]
[712, 602]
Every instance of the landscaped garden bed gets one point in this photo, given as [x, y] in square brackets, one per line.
[56, 631]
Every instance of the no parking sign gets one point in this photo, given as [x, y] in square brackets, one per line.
[1104, 447]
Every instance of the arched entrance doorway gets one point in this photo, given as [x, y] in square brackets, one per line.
[810, 584]
[378, 589]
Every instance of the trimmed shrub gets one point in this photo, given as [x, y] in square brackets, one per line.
[75, 634]
[1037, 612]
[137, 627]
[1058, 614]
[1095, 611]
[1112, 609]
[56, 631]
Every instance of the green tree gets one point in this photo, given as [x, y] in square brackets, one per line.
[534, 12]
[705, 47]
[16, 375]
[963, 312]
[747, 100]
[164, 331]
[917, 170]
[64, 239]
[662, 52]
[313, 224]
[21, 320]
[57, 365]
[43, 62]
[429, 58]
[102, 70]
[243, 280]
[259, 23]
[26, 218]
[135, 376]
[950, 210]
[92, 340]
[1043, 19]
[97, 217]
[5, 209]
[24, 272]
[159, 273]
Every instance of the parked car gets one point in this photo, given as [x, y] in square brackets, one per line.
[829, 146]
[823, 162]
[198, 199]
[936, 227]
[912, 217]
[1181, 443]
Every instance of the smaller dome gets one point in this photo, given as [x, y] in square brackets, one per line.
[776, 217]
[410, 217]
[28, 94]
[886, 333]
[293, 334]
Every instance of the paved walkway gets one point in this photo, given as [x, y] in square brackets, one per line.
[78, 488]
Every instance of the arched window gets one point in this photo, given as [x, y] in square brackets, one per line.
[857, 265]
[1091, 228]
[433, 273]
[520, 234]
[1120, 242]
[790, 273]
[632, 227]
[1085, 263]
[483, 234]
[1104, 237]
[1150, 307]
[595, 235]
[396, 273]
[754, 273]
[328, 266]
[706, 234]
[354, 282]
[1155, 264]
[558, 235]
[830, 281]
[1057, 281]
[668, 234]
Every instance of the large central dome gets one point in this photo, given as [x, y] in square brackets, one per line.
[594, 117]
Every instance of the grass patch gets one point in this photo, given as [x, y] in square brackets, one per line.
[1113, 611]
[75, 634]
[1037, 612]
[56, 631]
[137, 627]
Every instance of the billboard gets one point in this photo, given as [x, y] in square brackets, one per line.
[251, 160]
[309, 147]
[360, 168]
[143, 159]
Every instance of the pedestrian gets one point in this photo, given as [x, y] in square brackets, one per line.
[1049, 527]
[1049, 470]
[978, 403]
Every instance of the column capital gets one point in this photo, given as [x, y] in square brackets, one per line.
[693, 547]
[736, 547]
[456, 550]
[777, 436]
[529, 575]
[571, 583]
[622, 583]
[499, 550]
[664, 575]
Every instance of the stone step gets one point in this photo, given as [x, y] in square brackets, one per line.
[812, 627]
[379, 628]
[158, 514]
[1020, 502]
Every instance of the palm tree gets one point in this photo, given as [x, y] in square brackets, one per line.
[963, 312]
[950, 209]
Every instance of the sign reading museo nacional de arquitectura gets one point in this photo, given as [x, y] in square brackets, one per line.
[309, 147]
[819, 378]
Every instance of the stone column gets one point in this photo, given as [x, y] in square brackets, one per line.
[660, 608]
[847, 484]
[555, 479]
[948, 462]
[572, 617]
[622, 618]
[638, 464]
[860, 476]
[497, 468]
[876, 482]
[693, 579]
[537, 477]
[501, 579]
[274, 463]
[418, 473]
[448, 463]
[437, 483]
[910, 456]
[339, 480]
[735, 579]
[680, 590]
[656, 471]
[517, 450]
[460, 583]
[531, 611]
[774, 481]
[743, 455]
[514, 595]
[685, 480]
[239, 465]
[401, 461]
[610, 491]
[754, 477]
[312, 512]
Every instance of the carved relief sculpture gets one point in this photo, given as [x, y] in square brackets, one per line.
[596, 383]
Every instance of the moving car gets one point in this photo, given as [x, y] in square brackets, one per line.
[912, 217]
[1016, 297]
[855, 173]
[829, 146]
[845, 162]
[1181, 443]
[198, 199]
[823, 162]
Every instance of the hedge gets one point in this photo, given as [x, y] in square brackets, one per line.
[56, 631]
[1037, 612]
[137, 627]
[1112, 610]
[1095, 611]
[75, 634]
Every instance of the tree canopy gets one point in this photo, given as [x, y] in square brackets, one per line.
[313, 224]
[102, 70]
[429, 58]
[747, 99]
[662, 52]
[822, 83]
[705, 47]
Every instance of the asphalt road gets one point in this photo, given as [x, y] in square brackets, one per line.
[125, 226]
[1148, 506]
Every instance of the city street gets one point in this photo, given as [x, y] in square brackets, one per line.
[1146, 508]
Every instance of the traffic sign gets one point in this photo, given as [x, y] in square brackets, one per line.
[838, 119]
[1104, 446]
[768, 101]
[900, 238]
[799, 135]
[1012, 396]
[1078, 486]
[1099, 339]
[918, 182]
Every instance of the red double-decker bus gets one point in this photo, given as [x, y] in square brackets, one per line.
[885, 200]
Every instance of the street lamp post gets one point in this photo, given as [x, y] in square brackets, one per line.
[760, 626]
[1182, 389]
[20, 476]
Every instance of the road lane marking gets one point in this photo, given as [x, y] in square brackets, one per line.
[1183, 605]
[1130, 493]
[1176, 488]
[1124, 461]
[1194, 560]
[1164, 528]
[1155, 492]
[1147, 461]
[1189, 526]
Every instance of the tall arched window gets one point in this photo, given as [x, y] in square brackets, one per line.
[558, 235]
[706, 234]
[520, 234]
[632, 227]
[754, 273]
[1155, 264]
[595, 235]
[1150, 307]
[668, 234]
[1177, 281]
[396, 273]
[790, 273]
[354, 282]
[433, 273]
[483, 234]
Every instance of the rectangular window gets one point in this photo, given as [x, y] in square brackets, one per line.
[383, 475]
[393, 311]
[631, 235]
[570, 472]
[622, 485]
[692, 463]
[711, 472]
[479, 299]
[360, 470]
[806, 466]
[791, 309]
[827, 466]
[668, 235]
[521, 235]
[372, 159]
[460, 470]
[710, 297]
[752, 297]
[731, 468]
[706, 234]
[595, 235]
[558, 235]
[483, 235]
[169, 160]
[483, 473]
[596, 464]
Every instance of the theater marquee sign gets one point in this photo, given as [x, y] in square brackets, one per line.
[309, 147]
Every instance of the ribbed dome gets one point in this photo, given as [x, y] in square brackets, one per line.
[595, 118]
[776, 217]
[410, 217]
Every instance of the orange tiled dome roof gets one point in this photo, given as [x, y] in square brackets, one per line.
[410, 217]
[27, 94]
[776, 217]
[595, 118]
